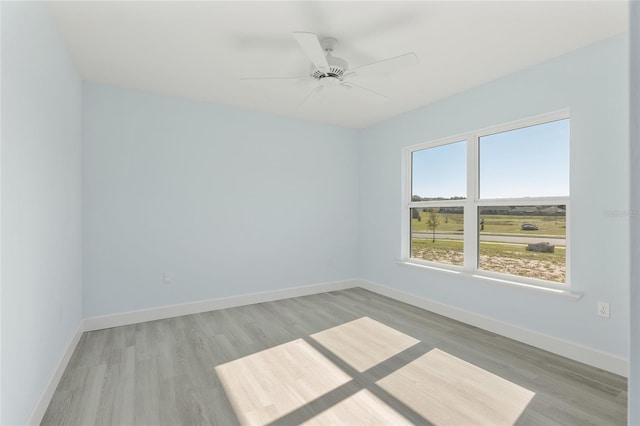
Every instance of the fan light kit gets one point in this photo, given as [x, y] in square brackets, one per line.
[331, 71]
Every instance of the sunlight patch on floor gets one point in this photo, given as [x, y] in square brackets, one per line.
[267, 385]
[443, 389]
[446, 390]
[361, 408]
[364, 343]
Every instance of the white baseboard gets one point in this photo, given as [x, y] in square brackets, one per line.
[45, 398]
[170, 311]
[606, 361]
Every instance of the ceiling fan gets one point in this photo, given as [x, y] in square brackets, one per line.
[330, 71]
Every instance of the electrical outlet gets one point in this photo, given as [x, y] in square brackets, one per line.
[167, 278]
[603, 309]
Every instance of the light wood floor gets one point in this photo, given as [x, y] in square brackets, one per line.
[347, 357]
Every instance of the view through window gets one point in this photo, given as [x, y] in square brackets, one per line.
[439, 185]
[494, 201]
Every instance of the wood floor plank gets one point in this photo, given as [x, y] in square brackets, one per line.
[146, 393]
[115, 405]
[345, 357]
[90, 401]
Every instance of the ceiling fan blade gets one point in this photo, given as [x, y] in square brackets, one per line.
[366, 94]
[311, 46]
[386, 66]
[274, 78]
[310, 96]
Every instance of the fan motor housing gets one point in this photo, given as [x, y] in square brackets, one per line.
[337, 67]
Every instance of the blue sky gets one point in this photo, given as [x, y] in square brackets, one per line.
[528, 162]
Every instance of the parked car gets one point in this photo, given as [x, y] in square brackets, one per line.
[529, 227]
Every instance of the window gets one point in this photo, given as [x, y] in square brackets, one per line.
[439, 186]
[493, 202]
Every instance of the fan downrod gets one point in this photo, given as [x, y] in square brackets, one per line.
[329, 44]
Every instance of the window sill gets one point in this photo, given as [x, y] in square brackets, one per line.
[492, 280]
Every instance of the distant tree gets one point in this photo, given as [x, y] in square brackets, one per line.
[415, 214]
[433, 222]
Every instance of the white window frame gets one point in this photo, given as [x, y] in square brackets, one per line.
[473, 202]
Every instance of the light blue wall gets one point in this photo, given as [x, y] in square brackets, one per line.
[593, 84]
[41, 205]
[227, 201]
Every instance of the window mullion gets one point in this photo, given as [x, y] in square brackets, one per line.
[470, 211]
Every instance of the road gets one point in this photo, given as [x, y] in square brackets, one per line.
[495, 238]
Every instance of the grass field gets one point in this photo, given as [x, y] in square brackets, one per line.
[510, 224]
[519, 251]
[453, 223]
[448, 223]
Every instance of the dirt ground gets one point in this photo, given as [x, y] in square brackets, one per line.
[531, 268]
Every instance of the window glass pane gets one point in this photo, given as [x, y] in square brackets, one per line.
[437, 234]
[528, 241]
[439, 173]
[528, 162]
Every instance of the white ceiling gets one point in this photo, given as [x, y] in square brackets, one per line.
[199, 50]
